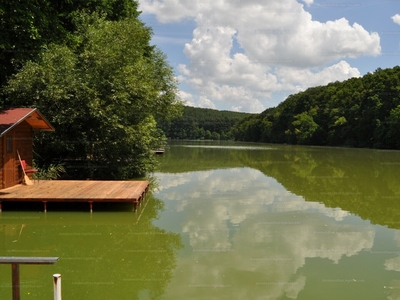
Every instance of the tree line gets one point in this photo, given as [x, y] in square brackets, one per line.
[359, 112]
[201, 123]
[89, 67]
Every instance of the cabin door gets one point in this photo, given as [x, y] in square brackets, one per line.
[9, 167]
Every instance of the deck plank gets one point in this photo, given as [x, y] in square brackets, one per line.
[77, 191]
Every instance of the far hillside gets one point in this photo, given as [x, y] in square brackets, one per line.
[359, 112]
[202, 123]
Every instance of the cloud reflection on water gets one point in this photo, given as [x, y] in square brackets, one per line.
[242, 224]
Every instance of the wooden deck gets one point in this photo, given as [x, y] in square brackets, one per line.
[77, 191]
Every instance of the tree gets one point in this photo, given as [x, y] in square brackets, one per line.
[102, 93]
[207, 135]
[194, 119]
[393, 133]
[28, 26]
[215, 135]
[305, 127]
[358, 112]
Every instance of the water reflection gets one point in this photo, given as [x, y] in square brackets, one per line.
[102, 256]
[250, 235]
[287, 235]
[361, 181]
[284, 223]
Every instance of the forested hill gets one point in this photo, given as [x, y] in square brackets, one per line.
[202, 123]
[359, 112]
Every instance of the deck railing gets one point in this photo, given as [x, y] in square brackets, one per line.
[16, 261]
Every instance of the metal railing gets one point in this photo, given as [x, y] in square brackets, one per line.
[16, 261]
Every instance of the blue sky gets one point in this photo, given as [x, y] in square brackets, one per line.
[249, 55]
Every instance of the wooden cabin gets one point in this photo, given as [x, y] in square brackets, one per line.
[17, 128]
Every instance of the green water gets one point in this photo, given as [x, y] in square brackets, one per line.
[227, 221]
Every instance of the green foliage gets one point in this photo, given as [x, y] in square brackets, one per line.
[393, 134]
[28, 26]
[102, 94]
[53, 171]
[359, 112]
[201, 123]
[304, 127]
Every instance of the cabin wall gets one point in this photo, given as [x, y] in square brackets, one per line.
[23, 143]
[1, 162]
[11, 173]
[9, 164]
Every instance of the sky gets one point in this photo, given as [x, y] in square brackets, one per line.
[249, 55]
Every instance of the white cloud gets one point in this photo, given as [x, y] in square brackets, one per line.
[204, 102]
[392, 264]
[242, 52]
[173, 181]
[308, 77]
[169, 10]
[396, 19]
[264, 232]
[186, 97]
[304, 43]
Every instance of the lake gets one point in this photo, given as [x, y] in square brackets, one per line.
[226, 221]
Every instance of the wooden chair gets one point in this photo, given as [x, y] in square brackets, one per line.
[23, 164]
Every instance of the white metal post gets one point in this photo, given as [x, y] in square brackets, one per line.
[57, 286]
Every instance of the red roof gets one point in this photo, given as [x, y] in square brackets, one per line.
[9, 118]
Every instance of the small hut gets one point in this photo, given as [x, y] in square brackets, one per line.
[17, 128]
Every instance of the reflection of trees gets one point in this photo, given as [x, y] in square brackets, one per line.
[102, 256]
[248, 236]
[364, 182]
[187, 159]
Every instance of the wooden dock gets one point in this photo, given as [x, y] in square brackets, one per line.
[77, 191]
[159, 151]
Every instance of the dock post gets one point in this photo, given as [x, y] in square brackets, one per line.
[0, 207]
[45, 206]
[91, 206]
[15, 281]
[57, 286]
